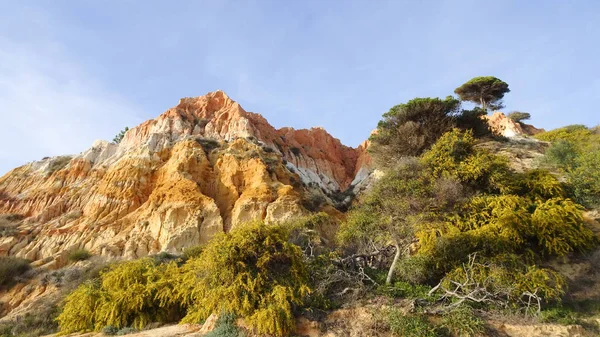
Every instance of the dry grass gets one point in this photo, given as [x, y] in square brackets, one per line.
[11, 268]
[9, 224]
[58, 163]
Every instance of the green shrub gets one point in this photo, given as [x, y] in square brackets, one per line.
[119, 137]
[314, 233]
[473, 120]
[255, 268]
[208, 144]
[78, 314]
[267, 149]
[415, 269]
[585, 178]
[575, 151]
[110, 330]
[39, 322]
[225, 327]
[454, 156]
[560, 315]
[252, 154]
[8, 230]
[164, 257]
[411, 325]
[500, 224]
[126, 331]
[79, 255]
[327, 282]
[519, 116]
[58, 163]
[538, 185]
[406, 290]
[6, 329]
[575, 134]
[561, 154]
[295, 150]
[313, 201]
[271, 163]
[192, 252]
[558, 226]
[409, 129]
[10, 269]
[127, 294]
[502, 280]
[462, 322]
[397, 204]
[9, 224]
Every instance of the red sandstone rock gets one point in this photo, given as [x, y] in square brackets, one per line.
[159, 190]
[502, 125]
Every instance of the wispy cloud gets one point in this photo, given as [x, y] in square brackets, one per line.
[73, 71]
[48, 104]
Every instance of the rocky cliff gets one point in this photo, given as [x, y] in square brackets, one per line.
[502, 125]
[204, 166]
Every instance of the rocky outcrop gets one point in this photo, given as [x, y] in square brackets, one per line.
[202, 167]
[504, 126]
[319, 157]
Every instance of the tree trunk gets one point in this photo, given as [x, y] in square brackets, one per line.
[388, 280]
[483, 105]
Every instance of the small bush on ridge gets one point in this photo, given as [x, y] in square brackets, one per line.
[225, 327]
[79, 255]
[411, 325]
[463, 322]
[110, 330]
[10, 269]
[126, 331]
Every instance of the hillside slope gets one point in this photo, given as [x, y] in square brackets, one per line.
[201, 167]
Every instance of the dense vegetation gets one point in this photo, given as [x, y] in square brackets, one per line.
[252, 272]
[79, 255]
[519, 116]
[10, 269]
[410, 128]
[457, 202]
[461, 220]
[448, 224]
[575, 152]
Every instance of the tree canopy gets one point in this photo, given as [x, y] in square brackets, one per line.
[457, 200]
[575, 152]
[119, 137]
[519, 116]
[487, 91]
[409, 129]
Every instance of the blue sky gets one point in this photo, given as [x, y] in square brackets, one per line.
[75, 71]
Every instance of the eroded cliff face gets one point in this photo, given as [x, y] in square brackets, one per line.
[202, 167]
[504, 126]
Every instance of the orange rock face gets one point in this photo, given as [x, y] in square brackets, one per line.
[201, 167]
[502, 125]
